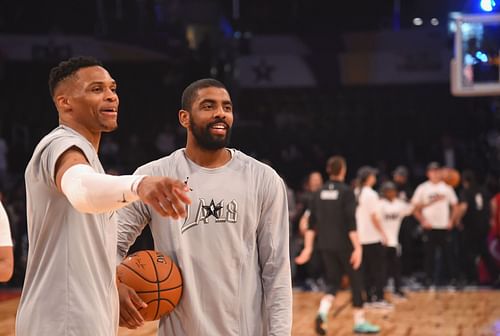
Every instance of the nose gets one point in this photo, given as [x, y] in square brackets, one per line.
[111, 95]
[219, 113]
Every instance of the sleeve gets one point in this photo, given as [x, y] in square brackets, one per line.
[452, 196]
[372, 204]
[312, 211]
[51, 153]
[407, 209]
[5, 237]
[130, 220]
[274, 259]
[349, 207]
[417, 196]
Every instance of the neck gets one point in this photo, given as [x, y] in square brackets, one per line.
[208, 158]
[337, 178]
[93, 138]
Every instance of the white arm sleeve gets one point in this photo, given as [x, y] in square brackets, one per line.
[91, 192]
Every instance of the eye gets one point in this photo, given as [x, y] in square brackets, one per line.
[96, 89]
[228, 108]
[114, 89]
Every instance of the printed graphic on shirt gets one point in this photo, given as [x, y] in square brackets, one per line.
[212, 213]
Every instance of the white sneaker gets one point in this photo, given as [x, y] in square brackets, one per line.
[382, 304]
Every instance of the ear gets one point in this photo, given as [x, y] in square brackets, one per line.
[184, 118]
[62, 103]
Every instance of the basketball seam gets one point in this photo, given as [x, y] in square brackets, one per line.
[157, 285]
[160, 290]
[139, 274]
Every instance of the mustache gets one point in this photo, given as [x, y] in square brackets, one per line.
[218, 121]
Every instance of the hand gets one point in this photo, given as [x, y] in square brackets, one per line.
[303, 257]
[449, 226]
[167, 196]
[384, 240]
[426, 225]
[129, 304]
[356, 258]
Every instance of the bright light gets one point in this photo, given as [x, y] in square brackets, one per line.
[418, 21]
[482, 56]
[434, 22]
[487, 5]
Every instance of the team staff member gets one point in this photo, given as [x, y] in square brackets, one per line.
[6, 253]
[372, 237]
[70, 286]
[437, 220]
[233, 245]
[332, 220]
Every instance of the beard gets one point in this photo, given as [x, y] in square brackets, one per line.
[205, 139]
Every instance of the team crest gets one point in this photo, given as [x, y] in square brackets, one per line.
[211, 213]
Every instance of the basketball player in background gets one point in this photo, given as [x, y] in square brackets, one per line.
[437, 221]
[332, 220]
[6, 253]
[232, 247]
[474, 225]
[70, 286]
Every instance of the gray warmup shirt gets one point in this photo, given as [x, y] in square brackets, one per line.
[70, 286]
[232, 249]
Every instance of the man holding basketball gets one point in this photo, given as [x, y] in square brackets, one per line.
[232, 248]
[70, 286]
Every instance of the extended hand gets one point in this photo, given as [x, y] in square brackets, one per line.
[167, 196]
[356, 258]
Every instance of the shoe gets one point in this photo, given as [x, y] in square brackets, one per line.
[321, 325]
[366, 328]
[382, 304]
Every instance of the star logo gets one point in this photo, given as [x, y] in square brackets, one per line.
[263, 71]
[212, 209]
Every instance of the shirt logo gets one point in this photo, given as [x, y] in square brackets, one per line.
[213, 212]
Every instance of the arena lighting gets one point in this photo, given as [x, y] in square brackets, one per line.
[482, 56]
[418, 21]
[487, 5]
[434, 21]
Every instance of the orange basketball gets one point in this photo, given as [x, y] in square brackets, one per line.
[451, 177]
[155, 278]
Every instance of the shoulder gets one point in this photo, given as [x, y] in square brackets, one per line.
[255, 166]
[156, 167]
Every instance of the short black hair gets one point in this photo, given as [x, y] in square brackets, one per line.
[191, 91]
[335, 164]
[469, 177]
[68, 68]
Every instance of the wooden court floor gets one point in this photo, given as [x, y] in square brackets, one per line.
[467, 313]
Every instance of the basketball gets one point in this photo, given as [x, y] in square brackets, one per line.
[451, 177]
[156, 279]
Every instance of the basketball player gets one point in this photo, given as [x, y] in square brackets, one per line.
[232, 247]
[70, 286]
[6, 253]
[437, 221]
[332, 220]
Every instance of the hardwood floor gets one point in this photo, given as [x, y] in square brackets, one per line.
[469, 313]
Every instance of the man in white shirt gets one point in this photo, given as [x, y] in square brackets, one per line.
[6, 254]
[372, 238]
[437, 220]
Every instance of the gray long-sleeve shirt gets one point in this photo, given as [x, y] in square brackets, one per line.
[232, 249]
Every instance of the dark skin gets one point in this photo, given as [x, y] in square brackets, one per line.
[212, 104]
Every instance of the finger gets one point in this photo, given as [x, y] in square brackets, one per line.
[169, 209]
[128, 319]
[136, 299]
[156, 204]
[181, 193]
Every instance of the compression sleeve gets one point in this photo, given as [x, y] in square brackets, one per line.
[91, 192]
